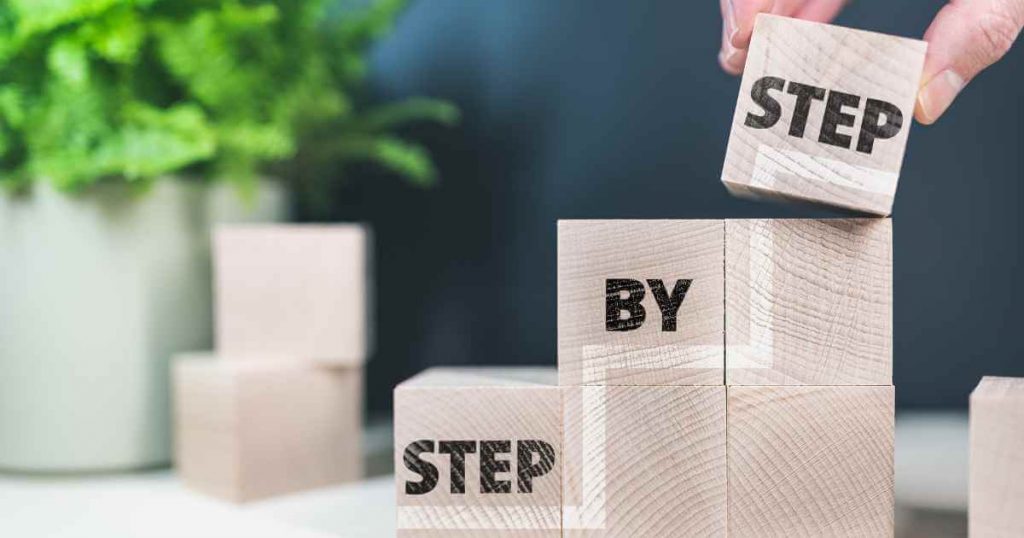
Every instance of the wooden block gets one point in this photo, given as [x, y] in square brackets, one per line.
[809, 302]
[810, 461]
[644, 461]
[478, 453]
[996, 506]
[246, 430]
[823, 114]
[640, 302]
[292, 291]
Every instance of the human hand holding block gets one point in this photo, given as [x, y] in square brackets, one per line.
[823, 114]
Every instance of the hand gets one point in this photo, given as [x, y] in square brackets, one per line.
[966, 37]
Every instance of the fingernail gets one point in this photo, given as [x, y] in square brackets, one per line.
[936, 96]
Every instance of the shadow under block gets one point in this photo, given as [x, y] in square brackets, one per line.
[996, 506]
[810, 461]
[644, 461]
[246, 430]
[823, 114]
[640, 302]
[478, 453]
[292, 291]
[809, 302]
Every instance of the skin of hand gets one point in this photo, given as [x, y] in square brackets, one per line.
[966, 37]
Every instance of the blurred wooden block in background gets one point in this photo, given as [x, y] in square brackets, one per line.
[823, 114]
[644, 461]
[246, 430]
[809, 302]
[292, 291]
[478, 453]
[810, 461]
[640, 302]
[996, 506]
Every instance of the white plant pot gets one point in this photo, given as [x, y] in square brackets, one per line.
[96, 293]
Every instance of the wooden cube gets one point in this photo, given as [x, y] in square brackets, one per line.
[823, 114]
[246, 430]
[640, 302]
[810, 461]
[478, 453]
[292, 291]
[644, 461]
[997, 459]
[809, 302]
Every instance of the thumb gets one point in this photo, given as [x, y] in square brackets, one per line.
[966, 37]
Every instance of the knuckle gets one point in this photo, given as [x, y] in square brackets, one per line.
[997, 30]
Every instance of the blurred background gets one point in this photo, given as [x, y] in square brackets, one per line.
[460, 131]
[604, 109]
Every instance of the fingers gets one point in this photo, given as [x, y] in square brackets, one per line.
[740, 24]
[738, 18]
[966, 37]
[820, 10]
[729, 57]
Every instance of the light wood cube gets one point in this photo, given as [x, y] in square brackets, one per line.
[810, 461]
[997, 459]
[292, 291]
[640, 302]
[823, 114]
[246, 430]
[644, 461]
[478, 453]
[809, 302]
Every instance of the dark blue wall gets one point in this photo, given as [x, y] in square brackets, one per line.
[605, 108]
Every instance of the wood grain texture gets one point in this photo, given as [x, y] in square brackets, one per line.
[996, 505]
[809, 302]
[772, 162]
[292, 291]
[246, 430]
[592, 251]
[644, 461]
[475, 404]
[810, 462]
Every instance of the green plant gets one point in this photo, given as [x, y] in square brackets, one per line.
[132, 89]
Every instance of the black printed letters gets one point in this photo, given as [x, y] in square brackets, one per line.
[624, 309]
[881, 120]
[534, 458]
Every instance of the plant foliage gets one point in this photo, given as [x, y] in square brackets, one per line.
[132, 89]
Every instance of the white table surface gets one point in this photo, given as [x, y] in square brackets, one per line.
[931, 473]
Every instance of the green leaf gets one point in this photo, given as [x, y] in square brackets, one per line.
[67, 60]
[38, 16]
[409, 160]
[267, 141]
[392, 115]
[158, 141]
[406, 159]
[117, 36]
[12, 106]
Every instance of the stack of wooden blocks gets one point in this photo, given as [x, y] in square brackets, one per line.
[715, 377]
[712, 375]
[277, 407]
